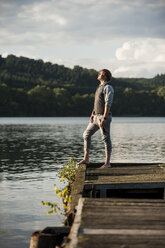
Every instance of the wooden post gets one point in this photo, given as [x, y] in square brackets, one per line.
[34, 239]
[49, 237]
[91, 193]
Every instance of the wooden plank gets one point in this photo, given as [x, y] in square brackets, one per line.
[121, 201]
[103, 222]
[134, 174]
[126, 170]
[122, 241]
[124, 214]
[122, 165]
[76, 194]
[104, 231]
[110, 223]
[75, 227]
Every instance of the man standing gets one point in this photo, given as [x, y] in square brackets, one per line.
[101, 118]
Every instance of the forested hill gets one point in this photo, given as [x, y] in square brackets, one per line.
[31, 87]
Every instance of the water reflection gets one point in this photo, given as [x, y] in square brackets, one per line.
[39, 146]
[139, 141]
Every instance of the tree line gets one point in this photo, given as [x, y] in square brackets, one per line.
[31, 87]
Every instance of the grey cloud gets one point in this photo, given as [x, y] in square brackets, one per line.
[87, 32]
[70, 21]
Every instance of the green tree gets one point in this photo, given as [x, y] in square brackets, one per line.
[42, 101]
[161, 92]
[64, 101]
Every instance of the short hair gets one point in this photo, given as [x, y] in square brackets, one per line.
[107, 74]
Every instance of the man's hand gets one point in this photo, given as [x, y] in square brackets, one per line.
[102, 123]
[91, 119]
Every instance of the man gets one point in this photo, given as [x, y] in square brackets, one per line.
[101, 118]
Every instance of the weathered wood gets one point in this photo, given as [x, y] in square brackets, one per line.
[76, 193]
[120, 241]
[110, 223]
[115, 221]
[122, 165]
[118, 222]
[104, 231]
[127, 174]
[76, 226]
[137, 178]
[49, 237]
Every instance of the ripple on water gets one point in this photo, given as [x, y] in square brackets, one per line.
[33, 150]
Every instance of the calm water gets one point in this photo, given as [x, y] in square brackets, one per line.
[32, 152]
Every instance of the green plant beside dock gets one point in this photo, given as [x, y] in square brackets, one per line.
[67, 176]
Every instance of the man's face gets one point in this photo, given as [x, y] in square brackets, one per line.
[101, 76]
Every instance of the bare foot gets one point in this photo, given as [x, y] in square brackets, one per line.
[105, 166]
[83, 162]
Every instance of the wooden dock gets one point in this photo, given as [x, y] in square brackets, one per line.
[123, 206]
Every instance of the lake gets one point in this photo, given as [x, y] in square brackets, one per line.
[33, 150]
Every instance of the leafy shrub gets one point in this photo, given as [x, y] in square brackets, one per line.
[66, 175]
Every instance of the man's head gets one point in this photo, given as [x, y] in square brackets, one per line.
[104, 75]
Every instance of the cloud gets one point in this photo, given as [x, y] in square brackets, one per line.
[41, 13]
[134, 70]
[143, 57]
[142, 50]
[124, 35]
[74, 22]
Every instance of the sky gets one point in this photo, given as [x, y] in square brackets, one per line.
[125, 36]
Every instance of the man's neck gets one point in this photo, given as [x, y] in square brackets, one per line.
[102, 82]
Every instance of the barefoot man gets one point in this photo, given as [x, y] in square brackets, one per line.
[101, 117]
